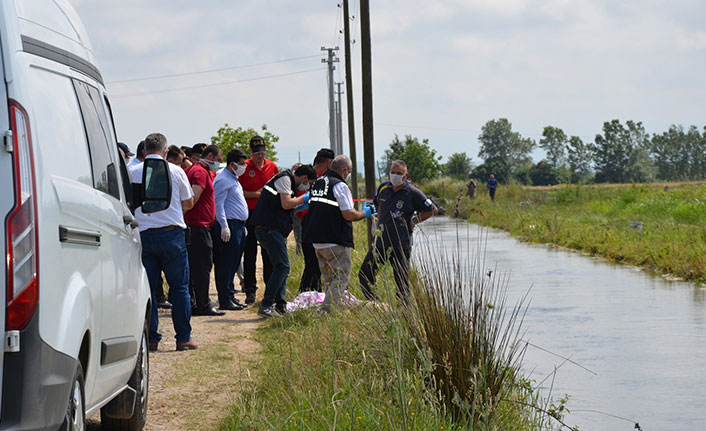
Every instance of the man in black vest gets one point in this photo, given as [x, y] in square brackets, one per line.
[331, 212]
[272, 219]
[402, 206]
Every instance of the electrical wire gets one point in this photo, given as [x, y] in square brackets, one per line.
[200, 72]
[217, 84]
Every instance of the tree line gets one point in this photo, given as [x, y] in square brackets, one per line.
[620, 153]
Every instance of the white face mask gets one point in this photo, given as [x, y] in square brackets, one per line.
[396, 179]
[303, 187]
[239, 170]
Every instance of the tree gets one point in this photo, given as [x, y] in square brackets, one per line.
[579, 159]
[544, 174]
[507, 149]
[613, 152]
[228, 138]
[421, 160]
[491, 166]
[458, 166]
[554, 143]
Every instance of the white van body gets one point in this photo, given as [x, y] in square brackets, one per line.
[75, 296]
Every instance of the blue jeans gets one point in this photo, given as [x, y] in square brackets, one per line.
[165, 251]
[275, 244]
[226, 258]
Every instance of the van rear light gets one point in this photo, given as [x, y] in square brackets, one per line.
[21, 227]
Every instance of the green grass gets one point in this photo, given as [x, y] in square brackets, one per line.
[447, 361]
[595, 220]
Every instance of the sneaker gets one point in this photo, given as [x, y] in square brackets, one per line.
[250, 298]
[268, 312]
[281, 309]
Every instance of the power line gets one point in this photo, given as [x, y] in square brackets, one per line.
[217, 84]
[200, 72]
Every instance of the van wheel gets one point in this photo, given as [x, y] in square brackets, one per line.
[75, 419]
[139, 381]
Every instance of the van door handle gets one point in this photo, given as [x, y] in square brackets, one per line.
[130, 219]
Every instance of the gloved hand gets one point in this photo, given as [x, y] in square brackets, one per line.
[225, 234]
[369, 210]
[301, 207]
[306, 199]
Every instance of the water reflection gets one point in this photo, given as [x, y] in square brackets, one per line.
[644, 336]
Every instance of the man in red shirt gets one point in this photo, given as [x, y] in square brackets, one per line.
[258, 171]
[200, 219]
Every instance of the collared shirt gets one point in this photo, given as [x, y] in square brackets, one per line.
[230, 202]
[181, 191]
[396, 208]
[204, 211]
[133, 162]
[255, 178]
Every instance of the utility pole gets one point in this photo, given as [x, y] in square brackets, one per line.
[331, 114]
[368, 135]
[349, 98]
[339, 120]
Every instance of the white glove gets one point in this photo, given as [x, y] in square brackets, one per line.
[225, 234]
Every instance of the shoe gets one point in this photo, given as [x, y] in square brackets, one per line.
[207, 311]
[282, 310]
[230, 306]
[236, 302]
[268, 312]
[153, 347]
[189, 345]
[164, 304]
[250, 298]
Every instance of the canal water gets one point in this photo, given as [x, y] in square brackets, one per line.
[642, 337]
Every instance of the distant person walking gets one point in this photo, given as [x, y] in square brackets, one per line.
[492, 186]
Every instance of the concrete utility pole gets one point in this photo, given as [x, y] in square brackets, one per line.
[331, 113]
[368, 135]
[349, 99]
[339, 120]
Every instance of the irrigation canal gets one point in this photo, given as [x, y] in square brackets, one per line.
[642, 337]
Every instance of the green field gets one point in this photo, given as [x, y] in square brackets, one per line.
[596, 220]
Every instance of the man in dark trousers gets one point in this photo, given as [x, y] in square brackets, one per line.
[200, 220]
[311, 277]
[492, 186]
[258, 171]
[401, 207]
[272, 219]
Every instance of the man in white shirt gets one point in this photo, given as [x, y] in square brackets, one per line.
[164, 246]
[331, 230]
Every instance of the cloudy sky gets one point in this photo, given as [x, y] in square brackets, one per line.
[441, 69]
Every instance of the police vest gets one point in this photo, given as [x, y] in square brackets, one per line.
[269, 211]
[326, 223]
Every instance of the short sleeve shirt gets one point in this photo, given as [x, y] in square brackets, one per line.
[254, 178]
[395, 211]
[492, 183]
[204, 212]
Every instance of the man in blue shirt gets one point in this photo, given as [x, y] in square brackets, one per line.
[401, 206]
[492, 185]
[229, 229]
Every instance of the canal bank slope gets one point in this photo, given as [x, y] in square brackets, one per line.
[668, 238]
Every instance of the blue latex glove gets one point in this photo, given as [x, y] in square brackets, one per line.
[302, 207]
[369, 210]
[306, 199]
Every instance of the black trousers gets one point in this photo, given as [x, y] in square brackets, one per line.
[250, 261]
[200, 262]
[311, 277]
[379, 254]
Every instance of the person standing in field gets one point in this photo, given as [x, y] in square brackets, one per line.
[471, 189]
[492, 186]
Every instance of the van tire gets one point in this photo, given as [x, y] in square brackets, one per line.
[75, 419]
[139, 381]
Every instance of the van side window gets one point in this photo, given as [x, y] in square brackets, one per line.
[127, 184]
[105, 176]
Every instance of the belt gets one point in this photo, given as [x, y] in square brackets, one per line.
[234, 220]
[162, 229]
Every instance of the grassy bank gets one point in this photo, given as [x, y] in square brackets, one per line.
[596, 219]
[448, 361]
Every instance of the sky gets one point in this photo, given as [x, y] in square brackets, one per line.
[440, 69]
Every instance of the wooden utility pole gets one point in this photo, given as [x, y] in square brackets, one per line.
[331, 107]
[368, 135]
[349, 98]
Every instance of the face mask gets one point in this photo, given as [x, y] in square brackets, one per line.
[239, 170]
[212, 165]
[348, 175]
[396, 179]
[303, 187]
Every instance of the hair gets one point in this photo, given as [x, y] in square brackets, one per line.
[211, 149]
[174, 152]
[296, 165]
[307, 170]
[341, 162]
[140, 151]
[186, 150]
[197, 149]
[155, 143]
[235, 155]
[399, 163]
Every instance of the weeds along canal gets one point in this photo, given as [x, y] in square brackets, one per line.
[636, 342]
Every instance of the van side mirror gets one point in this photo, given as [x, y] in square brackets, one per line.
[156, 187]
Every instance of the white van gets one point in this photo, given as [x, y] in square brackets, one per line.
[76, 297]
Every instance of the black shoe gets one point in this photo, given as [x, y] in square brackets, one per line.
[281, 309]
[153, 347]
[207, 311]
[230, 306]
[236, 302]
[164, 304]
[250, 298]
[268, 312]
